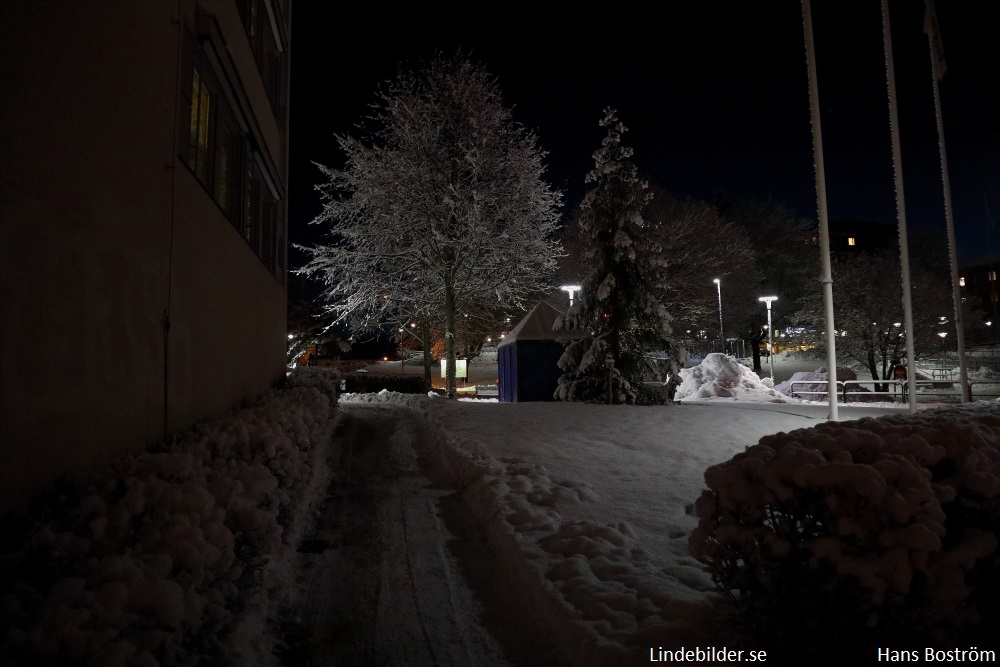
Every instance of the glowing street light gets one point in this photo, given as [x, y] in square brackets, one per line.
[718, 286]
[770, 333]
[571, 289]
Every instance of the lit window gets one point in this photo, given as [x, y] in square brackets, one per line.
[851, 241]
[993, 275]
[229, 161]
[961, 281]
[201, 104]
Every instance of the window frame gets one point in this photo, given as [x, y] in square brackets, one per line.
[223, 149]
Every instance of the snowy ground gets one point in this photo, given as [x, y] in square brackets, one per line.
[482, 533]
[380, 585]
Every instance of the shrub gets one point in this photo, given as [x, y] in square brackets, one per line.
[181, 555]
[326, 380]
[370, 383]
[871, 529]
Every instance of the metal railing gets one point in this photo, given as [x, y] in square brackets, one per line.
[818, 388]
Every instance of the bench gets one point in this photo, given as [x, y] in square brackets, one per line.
[487, 391]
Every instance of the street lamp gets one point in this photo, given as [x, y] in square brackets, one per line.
[770, 333]
[718, 286]
[572, 289]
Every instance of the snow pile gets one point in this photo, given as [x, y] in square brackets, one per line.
[386, 396]
[721, 376]
[887, 522]
[179, 554]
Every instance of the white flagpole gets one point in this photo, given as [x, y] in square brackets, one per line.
[937, 71]
[826, 275]
[897, 167]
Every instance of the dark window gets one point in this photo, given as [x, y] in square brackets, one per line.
[263, 21]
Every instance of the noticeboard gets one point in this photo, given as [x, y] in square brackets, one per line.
[461, 368]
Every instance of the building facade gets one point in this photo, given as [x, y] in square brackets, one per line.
[143, 204]
[978, 282]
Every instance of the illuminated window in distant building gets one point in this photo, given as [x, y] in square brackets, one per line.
[851, 241]
[993, 275]
[961, 281]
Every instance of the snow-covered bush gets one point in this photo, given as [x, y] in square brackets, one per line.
[875, 528]
[326, 380]
[177, 556]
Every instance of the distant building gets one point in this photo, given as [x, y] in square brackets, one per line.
[850, 236]
[978, 283]
[143, 191]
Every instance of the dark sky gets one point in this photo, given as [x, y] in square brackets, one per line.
[715, 97]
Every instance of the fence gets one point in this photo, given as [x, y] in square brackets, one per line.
[819, 389]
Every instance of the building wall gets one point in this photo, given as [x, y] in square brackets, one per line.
[107, 234]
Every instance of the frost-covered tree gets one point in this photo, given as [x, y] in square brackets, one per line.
[618, 317]
[868, 311]
[310, 326]
[440, 208]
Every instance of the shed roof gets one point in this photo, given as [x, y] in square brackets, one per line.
[536, 325]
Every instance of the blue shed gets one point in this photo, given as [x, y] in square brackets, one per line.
[527, 358]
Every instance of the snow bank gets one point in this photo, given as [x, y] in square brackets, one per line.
[176, 555]
[386, 396]
[721, 376]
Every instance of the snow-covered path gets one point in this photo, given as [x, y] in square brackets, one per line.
[380, 584]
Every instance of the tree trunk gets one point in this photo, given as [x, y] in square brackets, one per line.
[425, 335]
[755, 346]
[449, 337]
[874, 371]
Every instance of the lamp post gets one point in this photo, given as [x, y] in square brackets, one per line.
[770, 333]
[571, 289]
[718, 286]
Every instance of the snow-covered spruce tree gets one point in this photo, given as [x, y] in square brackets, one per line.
[440, 209]
[618, 316]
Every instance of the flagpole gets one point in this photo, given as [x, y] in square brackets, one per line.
[826, 275]
[897, 168]
[937, 71]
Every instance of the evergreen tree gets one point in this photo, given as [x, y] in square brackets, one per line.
[617, 318]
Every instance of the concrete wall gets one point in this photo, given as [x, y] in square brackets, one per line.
[105, 232]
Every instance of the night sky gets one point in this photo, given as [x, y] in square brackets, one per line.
[715, 98]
